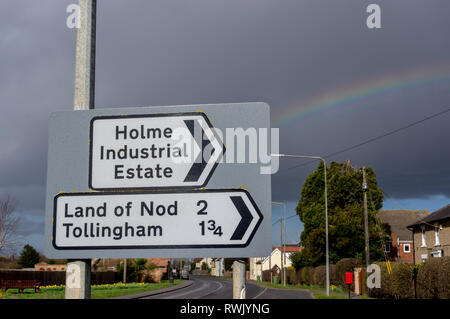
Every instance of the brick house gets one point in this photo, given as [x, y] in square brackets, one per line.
[431, 235]
[402, 246]
[161, 263]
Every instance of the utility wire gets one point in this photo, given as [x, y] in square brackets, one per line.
[376, 138]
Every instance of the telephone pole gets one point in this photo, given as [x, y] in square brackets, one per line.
[78, 272]
[366, 223]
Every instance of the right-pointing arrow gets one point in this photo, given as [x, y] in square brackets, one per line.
[246, 215]
[200, 163]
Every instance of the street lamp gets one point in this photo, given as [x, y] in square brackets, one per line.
[283, 256]
[327, 257]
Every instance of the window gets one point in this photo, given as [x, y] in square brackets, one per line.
[436, 234]
[422, 228]
[406, 248]
[387, 248]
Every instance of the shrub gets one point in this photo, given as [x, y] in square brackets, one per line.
[292, 277]
[320, 276]
[333, 275]
[345, 265]
[307, 276]
[398, 284]
[402, 276]
[433, 279]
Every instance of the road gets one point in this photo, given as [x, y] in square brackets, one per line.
[205, 287]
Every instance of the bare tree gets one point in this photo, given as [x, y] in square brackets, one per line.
[10, 239]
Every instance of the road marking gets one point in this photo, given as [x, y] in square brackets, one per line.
[260, 293]
[210, 293]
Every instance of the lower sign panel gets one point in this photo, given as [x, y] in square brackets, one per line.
[176, 219]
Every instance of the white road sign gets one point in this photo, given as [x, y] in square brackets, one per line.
[175, 219]
[150, 151]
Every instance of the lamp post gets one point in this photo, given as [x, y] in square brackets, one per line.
[327, 257]
[283, 256]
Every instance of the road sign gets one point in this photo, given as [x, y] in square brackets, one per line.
[178, 150]
[163, 220]
[78, 175]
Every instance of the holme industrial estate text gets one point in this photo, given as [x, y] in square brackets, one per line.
[150, 151]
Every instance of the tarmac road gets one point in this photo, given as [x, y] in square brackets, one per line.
[206, 287]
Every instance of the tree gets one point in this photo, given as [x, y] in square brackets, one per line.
[228, 263]
[10, 239]
[28, 257]
[345, 215]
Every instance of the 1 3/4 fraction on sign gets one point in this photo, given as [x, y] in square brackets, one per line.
[210, 224]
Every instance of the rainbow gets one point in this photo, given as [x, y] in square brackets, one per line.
[356, 94]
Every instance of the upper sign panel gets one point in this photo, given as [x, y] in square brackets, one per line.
[178, 150]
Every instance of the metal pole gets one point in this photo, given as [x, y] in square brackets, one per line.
[366, 224]
[78, 272]
[326, 231]
[327, 255]
[239, 279]
[84, 97]
[270, 264]
[281, 248]
[284, 254]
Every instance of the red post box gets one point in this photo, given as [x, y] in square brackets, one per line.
[349, 278]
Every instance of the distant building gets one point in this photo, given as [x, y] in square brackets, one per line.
[401, 248]
[159, 262]
[431, 235]
[217, 267]
[273, 261]
[50, 267]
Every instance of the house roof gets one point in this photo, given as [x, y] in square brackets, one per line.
[399, 219]
[289, 249]
[197, 260]
[440, 214]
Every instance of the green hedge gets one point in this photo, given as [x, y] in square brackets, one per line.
[345, 265]
[433, 279]
[398, 284]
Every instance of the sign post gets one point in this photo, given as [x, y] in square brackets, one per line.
[78, 282]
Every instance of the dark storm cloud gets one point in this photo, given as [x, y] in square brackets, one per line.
[280, 52]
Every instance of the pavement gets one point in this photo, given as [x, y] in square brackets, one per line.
[207, 287]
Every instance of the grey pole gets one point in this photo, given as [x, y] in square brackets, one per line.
[281, 248]
[239, 279]
[327, 255]
[283, 256]
[78, 273]
[84, 97]
[366, 224]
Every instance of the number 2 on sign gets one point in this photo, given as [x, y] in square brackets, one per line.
[217, 230]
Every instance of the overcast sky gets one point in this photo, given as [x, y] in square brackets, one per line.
[294, 55]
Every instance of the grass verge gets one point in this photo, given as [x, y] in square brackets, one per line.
[97, 291]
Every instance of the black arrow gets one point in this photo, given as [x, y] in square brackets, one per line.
[247, 217]
[200, 163]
